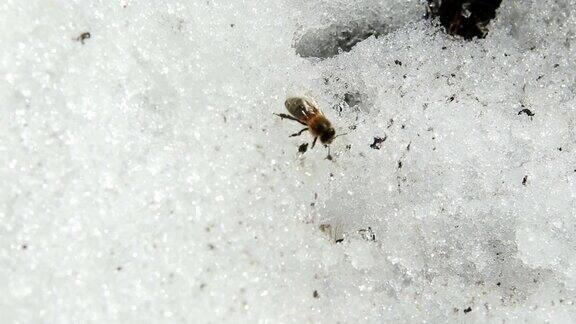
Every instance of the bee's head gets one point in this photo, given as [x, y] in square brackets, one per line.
[327, 135]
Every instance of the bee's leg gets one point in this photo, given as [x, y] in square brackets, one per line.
[289, 117]
[314, 142]
[329, 156]
[286, 116]
[300, 132]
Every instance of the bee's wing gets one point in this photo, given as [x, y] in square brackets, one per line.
[302, 108]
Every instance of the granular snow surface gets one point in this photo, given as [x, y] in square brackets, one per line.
[145, 179]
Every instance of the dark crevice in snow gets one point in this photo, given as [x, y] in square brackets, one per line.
[466, 18]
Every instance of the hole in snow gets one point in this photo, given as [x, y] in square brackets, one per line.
[328, 42]
[466, 18]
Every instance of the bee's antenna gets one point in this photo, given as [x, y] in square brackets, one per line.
[341, 135]
[353, 127]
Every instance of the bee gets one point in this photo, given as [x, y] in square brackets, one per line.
[305, 111]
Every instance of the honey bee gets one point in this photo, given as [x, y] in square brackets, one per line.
[306, 112]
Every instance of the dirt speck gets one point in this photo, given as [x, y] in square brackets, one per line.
[526, 111]
[83, 37]
[377, 144]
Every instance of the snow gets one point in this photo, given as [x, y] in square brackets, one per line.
[144, 177]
